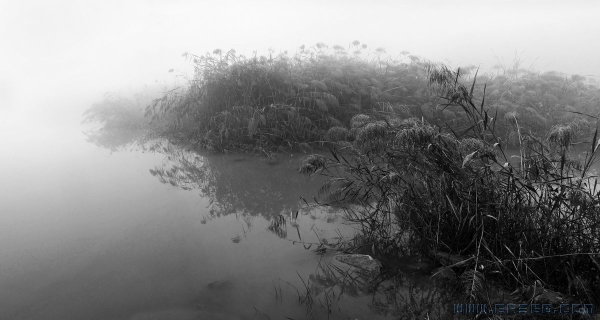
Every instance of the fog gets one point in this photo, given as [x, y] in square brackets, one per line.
[59, 57]
[74, 216]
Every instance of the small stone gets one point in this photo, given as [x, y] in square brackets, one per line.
[549, 296]
[538, 294]
[361, 261]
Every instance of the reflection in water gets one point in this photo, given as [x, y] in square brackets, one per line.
[237, 269]
[114, 140]
[337, 289]
[235, 184]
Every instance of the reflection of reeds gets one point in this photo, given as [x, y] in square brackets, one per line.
[400, 296]
[278, 226]
[412, 301]
[227, 184]
[262, 314]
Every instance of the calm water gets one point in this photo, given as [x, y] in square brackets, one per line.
[153, 233]
[97, 229]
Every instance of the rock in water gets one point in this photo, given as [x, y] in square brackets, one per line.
[220, 286]
[361, 261]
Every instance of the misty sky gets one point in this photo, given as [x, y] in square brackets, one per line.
[57, 55]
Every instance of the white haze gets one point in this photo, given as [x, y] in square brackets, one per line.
[59, 57]
[88, 232]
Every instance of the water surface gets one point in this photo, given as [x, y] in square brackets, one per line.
[157, 232]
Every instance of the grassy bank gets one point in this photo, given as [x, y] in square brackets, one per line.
[425, 190]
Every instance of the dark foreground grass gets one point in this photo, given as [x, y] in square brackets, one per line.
[533, 219]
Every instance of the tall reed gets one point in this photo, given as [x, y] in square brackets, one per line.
[420, 188]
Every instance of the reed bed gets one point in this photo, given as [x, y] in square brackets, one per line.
[283, 101]
[420, 188]
[298, 101]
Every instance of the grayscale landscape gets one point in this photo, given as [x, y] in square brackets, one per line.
[298, 159]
